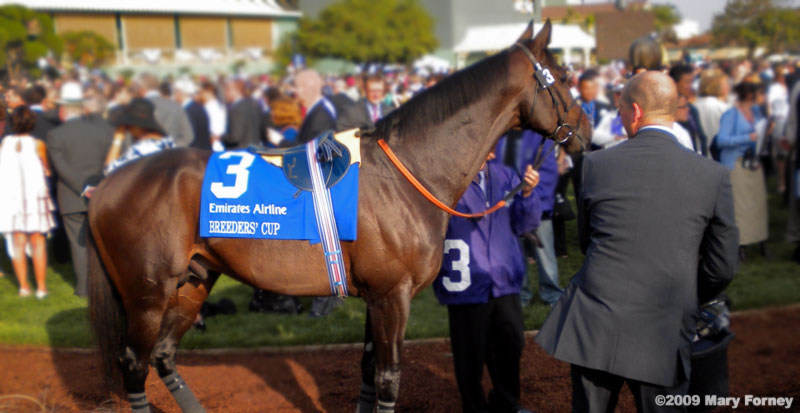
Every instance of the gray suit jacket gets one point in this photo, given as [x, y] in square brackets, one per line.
[245, 125]
[77, 150]
[171, 116]
[657, 227]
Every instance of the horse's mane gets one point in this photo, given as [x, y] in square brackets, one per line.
[435, 105]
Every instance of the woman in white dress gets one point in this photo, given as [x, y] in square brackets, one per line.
[26, 210]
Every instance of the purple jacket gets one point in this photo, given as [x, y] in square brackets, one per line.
[483, 258]
[523, 153]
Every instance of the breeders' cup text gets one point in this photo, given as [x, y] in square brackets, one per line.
[243, 227]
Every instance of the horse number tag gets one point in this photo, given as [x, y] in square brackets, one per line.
[544, 76]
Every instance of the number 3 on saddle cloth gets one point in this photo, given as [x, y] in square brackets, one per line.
[307, 192]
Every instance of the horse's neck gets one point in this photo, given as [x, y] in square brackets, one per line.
[447, 158]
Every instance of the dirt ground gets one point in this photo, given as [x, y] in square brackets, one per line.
[764, 360]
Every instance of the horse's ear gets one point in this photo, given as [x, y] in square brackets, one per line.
[542, 38]
[527, 35]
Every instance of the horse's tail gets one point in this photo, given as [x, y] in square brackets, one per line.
[106, 315]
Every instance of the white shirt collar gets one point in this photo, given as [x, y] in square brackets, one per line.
[658, 127]
[328, 106]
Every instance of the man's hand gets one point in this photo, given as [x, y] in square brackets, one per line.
[531, 179]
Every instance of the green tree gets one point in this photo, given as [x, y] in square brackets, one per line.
[26, 36]
[754, 23]
[585, 21]
[666, 16]
[368, 31]
[88, 48]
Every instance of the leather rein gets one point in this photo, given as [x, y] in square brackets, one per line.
[544, 81]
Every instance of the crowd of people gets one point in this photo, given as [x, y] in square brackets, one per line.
[742, 114]
[61, 136]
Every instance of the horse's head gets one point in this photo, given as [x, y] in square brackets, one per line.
[547, 106]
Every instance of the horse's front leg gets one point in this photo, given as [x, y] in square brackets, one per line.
[387, 315]
[368, 396]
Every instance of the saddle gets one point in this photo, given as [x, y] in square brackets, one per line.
[334, 158]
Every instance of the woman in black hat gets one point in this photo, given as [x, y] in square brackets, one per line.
[139, 121]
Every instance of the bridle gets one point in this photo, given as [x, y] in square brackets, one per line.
[544, 81]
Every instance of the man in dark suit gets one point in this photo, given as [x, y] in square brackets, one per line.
[349, 113]
[244, 125]
[187, 95]
[657, 226]
[77, 150]
[320, 112]
[364, 112]
[33, 97]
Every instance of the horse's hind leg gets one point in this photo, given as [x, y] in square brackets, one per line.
[144, 316]
[388, 317]
[181, 311]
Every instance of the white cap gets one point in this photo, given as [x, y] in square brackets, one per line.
[71, 93]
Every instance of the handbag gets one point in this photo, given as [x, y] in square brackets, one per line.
[750, 158]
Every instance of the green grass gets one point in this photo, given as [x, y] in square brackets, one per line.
[61, 319]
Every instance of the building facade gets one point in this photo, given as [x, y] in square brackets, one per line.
[201, 34]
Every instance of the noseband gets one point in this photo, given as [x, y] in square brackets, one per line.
[544, 81]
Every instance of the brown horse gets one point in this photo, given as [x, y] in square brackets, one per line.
[150, 270]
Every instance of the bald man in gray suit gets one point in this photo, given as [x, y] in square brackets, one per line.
[657, 227]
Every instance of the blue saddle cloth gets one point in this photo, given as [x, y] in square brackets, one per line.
[244, 196]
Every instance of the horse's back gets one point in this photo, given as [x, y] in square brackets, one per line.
[149, 208]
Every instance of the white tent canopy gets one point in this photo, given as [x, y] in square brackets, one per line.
[500, 36]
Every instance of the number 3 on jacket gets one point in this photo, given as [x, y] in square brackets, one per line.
[461, 265]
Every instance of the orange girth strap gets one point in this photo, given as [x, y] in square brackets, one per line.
[388, 151]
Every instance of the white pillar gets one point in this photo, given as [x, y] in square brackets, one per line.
[587, 57]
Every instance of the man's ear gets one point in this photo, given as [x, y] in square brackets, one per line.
[638, 113]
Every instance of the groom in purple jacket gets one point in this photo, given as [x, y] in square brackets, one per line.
[480, 281]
